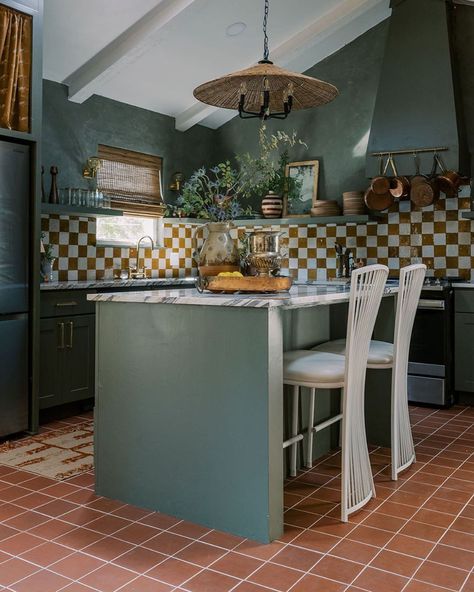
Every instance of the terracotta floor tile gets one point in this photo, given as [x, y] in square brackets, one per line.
[108, 548]
[81, 516]
[17, 477]
[237, 565]
[458, 539]
[311, 583]
[13, 493]
[33, 500]
[6, 532]
[76, 587]
[398, 510]
[441, 575]
[222, 539]
[159, 520]
[174, 571]
[333, 526]
[76, 566]
[276, 576]
[299, 518]
[453, 495]
[136, 533]
[108, 578]
[403, 565]
[295, 557]
[464, 525]
[139, 559]
[81, 496]
[189, 529]
[443, 505]
[19, 543]
[433, 517]
[104, 504]
[370, 536]
[79, 538]
[316, 541]
[258, 550]
[46, 554]
[131, 512]
[8, 511]
[469, 584]
[56, 508]
[355, 551]
[167, 543]
[200, 554]
[59, 489]
[52, 529]
[410, 546]
[210, 581]
[144, 584]
[423, 531]
[453, 557]
[27, 521]
[15, 569]
[43, 581]
[249, 587]
[340, 570]
[384, 522]
[108, 524]
[377, 580]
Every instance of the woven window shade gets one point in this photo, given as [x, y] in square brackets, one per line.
[131, 180]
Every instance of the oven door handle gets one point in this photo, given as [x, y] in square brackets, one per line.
[426, 304]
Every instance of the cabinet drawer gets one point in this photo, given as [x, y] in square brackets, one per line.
[66, 302]
[464, 300]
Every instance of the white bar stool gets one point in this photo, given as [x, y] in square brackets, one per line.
[395, 355]
[321, 370]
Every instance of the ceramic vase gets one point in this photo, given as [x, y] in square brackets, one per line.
[46, 271]
[220, 251]
[272, 205]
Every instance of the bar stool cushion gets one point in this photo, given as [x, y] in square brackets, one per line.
[380, 352]
[306, 366]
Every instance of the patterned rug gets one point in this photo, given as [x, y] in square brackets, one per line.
[57, 454]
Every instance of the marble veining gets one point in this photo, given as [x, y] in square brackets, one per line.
[298, 297]
[92, 284]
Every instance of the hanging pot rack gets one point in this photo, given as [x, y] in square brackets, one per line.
[410, 151]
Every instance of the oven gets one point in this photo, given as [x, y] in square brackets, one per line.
[431, 364]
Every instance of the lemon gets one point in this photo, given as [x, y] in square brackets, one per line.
[230, 274]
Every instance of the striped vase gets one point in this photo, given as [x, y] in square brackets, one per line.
[272, 205]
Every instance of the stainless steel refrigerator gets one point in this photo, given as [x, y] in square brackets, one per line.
[14, 292]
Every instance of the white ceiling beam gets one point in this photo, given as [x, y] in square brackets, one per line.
[123, 50]
[294, 49]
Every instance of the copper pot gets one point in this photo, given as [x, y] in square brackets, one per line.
[399, 184]
[423, 192]
[448, 181]
[381, 184]
[378, 202]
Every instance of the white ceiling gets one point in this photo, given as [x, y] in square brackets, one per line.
[153, 53]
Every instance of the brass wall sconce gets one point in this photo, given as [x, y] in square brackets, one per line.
[91, 168]
[177, 180]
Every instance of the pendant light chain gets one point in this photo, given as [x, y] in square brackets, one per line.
[266, 53]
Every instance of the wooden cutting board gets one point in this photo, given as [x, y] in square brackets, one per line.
[249, 284]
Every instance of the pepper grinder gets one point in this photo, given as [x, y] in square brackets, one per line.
[53, 194]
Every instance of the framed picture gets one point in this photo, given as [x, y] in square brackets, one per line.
[307, 172]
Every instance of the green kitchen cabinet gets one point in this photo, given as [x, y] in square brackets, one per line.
[67, 359]
[464, 340]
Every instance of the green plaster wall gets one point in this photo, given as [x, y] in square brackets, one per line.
[72, 131]
[336, 133]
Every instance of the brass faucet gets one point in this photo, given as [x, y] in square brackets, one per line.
[140, 274]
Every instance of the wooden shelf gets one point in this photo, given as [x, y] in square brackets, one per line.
[468, 215]
[300, 220]
[82, 212]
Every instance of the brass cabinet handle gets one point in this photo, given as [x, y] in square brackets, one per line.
[71, 332]
[64, 304]
[61, 335]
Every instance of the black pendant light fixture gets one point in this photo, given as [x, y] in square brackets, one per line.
[265, 91]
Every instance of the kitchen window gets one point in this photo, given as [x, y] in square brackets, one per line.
[132, 181]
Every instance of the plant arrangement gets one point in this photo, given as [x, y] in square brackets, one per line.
[213, 195]
[268, 171]
[47, 260]
[216, 194]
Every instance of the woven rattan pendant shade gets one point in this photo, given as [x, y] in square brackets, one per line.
[225, 91]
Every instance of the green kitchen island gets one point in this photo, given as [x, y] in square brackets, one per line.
[189, 416]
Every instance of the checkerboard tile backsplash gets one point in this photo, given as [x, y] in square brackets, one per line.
[437, 236]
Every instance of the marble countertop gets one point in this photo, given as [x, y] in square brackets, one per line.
[94, 284]
[463, 285]
[298, 297]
